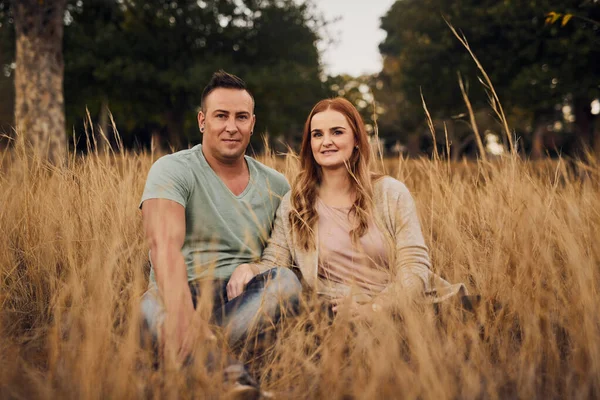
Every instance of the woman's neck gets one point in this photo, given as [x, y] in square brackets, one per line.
[336, 189]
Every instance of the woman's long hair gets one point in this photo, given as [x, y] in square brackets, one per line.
[303, 215]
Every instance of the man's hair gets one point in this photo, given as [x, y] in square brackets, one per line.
[222, 79]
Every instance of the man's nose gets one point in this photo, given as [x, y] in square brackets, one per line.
[231, 126]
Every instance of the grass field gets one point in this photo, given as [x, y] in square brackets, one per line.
[524, 236]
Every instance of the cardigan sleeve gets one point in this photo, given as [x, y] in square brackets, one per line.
[413, 266]
[277, 253]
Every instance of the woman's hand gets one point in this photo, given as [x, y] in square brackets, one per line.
[239, 279]
[353, 306]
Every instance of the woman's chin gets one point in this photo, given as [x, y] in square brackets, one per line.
[332, 165]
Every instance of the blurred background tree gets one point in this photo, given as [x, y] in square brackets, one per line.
[546, 75]
[38, 74]
[147, 63]
[7, 85]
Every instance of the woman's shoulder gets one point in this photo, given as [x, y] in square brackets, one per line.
[386, 185]
[285, 203]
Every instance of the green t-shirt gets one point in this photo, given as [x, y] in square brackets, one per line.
[222, 230]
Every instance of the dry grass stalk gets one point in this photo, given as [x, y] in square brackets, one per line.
[481, 148]
[73, 258]
[436, 156]
[493, 96]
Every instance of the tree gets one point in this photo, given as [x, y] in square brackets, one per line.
[358, 91]
[39, 103]
[150, 60]
[535, 67]
[7, 85]
[286, 81]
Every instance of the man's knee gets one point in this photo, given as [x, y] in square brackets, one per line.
[284, 283]
[152, 315]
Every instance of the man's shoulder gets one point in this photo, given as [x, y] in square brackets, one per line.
[181, 157]
[170, 178]
[273, 177]
[179, 165]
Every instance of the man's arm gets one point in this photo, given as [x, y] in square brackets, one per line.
[276, 254]
[164, 225]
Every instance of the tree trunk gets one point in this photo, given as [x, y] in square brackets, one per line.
[174, 129]
[39, 102]
[413, 147]
[583, 122]
[103, 135]
[537, 140]
[596, 138]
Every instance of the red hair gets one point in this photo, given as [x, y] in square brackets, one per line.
[303, 216]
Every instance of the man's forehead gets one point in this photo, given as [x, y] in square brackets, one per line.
[232, 100]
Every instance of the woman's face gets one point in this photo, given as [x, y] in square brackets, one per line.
[331, 139]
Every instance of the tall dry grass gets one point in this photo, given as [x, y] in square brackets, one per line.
[524, 236]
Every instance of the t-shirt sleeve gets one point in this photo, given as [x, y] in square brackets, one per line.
[284, 186]
[168, 179]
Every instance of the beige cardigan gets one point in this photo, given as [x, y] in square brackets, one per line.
[396, 216]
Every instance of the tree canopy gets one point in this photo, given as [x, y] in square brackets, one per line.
[536, 67]
[149, 61]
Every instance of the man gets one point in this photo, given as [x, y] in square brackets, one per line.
[205, 211]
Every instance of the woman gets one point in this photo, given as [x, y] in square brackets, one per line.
[353, 235]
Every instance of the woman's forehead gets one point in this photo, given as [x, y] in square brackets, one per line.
[328, 118]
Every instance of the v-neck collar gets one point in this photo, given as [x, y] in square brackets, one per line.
[212, 171]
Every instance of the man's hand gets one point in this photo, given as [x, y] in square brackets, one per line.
[177, 332]
[164, 224]
[240, 277]
[182, 333]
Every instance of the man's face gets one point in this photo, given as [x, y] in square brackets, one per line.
[227, 122]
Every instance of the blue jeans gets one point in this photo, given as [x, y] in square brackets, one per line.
[266, 297]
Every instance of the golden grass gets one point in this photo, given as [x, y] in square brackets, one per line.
[525, 236]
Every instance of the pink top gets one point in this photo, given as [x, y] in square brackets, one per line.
[342, 264]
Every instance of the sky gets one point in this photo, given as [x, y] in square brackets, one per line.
[356, 34]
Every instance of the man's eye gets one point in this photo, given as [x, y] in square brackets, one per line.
[221, 116]
[243, 117]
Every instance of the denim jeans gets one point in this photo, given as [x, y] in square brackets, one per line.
[266, 297]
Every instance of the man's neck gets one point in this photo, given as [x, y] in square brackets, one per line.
[226, 170]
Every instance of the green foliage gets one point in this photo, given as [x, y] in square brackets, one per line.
[7, 49]
[156, 57]
[533, 65]
[359, 91]
[149, 61]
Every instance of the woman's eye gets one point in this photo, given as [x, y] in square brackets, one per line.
[338, 132]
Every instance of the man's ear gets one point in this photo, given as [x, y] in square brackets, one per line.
[201, 120]
[253, 123]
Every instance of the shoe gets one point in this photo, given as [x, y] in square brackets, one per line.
[243, 386]
[239, 391]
